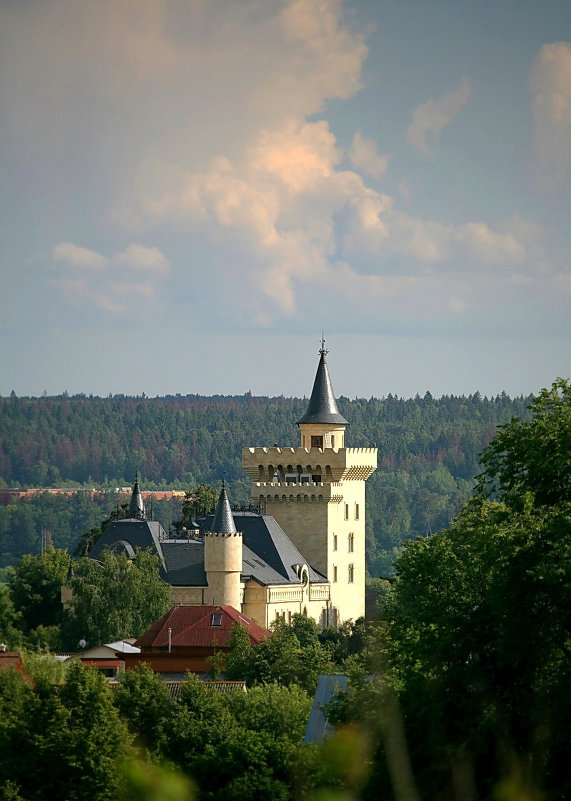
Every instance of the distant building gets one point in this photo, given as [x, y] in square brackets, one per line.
[188, 637]
[303, 552]
[108, 659]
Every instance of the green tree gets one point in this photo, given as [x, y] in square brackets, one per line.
[534, 456]
[115, 598]
[143, 701]
[197, 503]
[67, 743]
[35, 588]
[280, 658]
[479, 617]
[9, 620]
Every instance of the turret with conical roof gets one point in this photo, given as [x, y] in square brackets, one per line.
[223, 556]
[322, 406]
[223, 522]
[137, 506]
[322, 426]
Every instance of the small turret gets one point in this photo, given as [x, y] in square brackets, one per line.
[322, 426]
[137, 506]
[223, 556]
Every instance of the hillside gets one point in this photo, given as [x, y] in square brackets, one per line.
[428, 456]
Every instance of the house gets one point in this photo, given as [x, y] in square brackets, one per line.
[109, 659]
[187, 637]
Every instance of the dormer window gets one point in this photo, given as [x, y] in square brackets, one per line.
[216, 619]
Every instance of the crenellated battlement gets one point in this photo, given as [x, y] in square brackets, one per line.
[317, 465]
[277, 450]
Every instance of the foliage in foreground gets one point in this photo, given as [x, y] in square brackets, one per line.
[477, 651]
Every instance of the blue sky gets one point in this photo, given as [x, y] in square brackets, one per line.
[191, 192]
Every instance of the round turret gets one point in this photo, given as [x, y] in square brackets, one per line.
[223, 557]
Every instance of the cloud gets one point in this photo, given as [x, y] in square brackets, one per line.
[201, 122]
[143, 259]
[107, 282]
[80, 257]
[434, 115]
[550, 86]
[364, 156]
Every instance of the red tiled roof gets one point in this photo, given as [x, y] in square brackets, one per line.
[10, 659]
[191, 626]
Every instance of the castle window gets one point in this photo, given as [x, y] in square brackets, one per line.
[351, 543]
[334, 573]
[316, 442]
[351, 574]
[356, 511]
[346, 511]
[216, 620]
[332, 440]
[335, 542]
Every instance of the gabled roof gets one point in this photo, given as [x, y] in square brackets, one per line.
[199, 626]
[322, 406]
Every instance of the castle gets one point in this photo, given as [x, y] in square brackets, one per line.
[304, 554]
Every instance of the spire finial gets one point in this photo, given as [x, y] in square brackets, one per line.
[323, 350]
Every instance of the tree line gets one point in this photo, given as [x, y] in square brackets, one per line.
[458, 689]
[428, 456]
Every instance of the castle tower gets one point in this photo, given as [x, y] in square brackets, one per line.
[316, 492]
[223, 557]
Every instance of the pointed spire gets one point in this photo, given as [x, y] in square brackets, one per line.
[322, 406]
[137, 506]
[223, 522]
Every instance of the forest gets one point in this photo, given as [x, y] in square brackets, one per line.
[429, 452]
[458, 686]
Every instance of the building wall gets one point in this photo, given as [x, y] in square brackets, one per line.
[266, 605]
[325, 519]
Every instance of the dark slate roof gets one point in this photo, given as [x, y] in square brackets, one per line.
[223, 522]
[322, 406]
[184, 561]
[137, 505]
[129, 534]
[268, 553]
[192, 626]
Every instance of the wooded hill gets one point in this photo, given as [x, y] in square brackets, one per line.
[428, 456]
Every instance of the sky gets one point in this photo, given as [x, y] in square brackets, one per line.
[193, 192]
